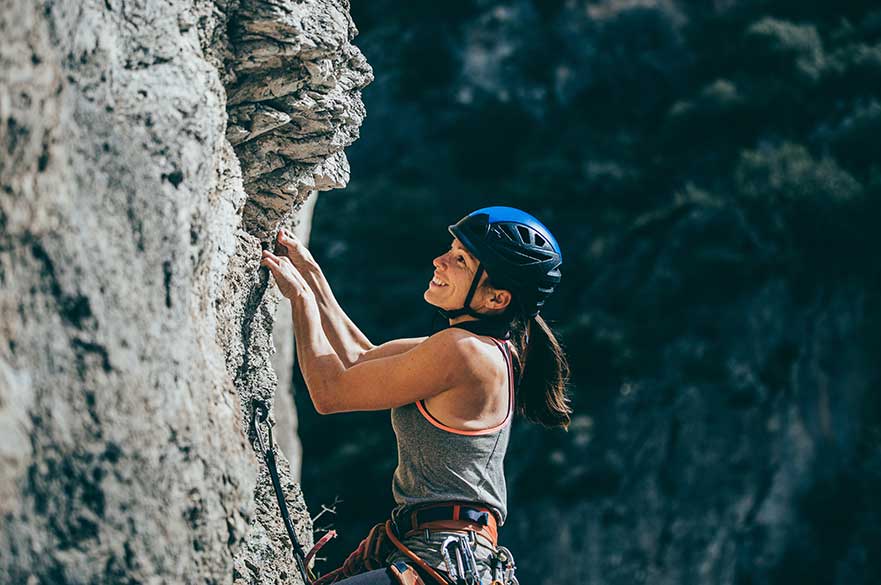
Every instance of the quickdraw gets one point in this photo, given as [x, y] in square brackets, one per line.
[462, 568]
[260, 416]
[461, 564]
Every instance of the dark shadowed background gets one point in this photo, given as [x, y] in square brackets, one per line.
[712, 171]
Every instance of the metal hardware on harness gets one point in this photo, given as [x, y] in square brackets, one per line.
[503, 566]
[495, 566]
[261, 415]
[452, 568]
[464, 569]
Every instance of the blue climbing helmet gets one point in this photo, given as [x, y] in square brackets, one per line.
[517, 251]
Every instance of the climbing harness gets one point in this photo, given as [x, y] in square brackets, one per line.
[405, 574]
[452, 516]
[456, 551]
[260, 416]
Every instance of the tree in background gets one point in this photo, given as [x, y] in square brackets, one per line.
[713, 173]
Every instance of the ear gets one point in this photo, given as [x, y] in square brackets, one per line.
[498, 300]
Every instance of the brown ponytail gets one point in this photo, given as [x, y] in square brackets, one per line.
[542, 373]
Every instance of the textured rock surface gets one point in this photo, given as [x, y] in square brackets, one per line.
[134, 322]
[292, 109]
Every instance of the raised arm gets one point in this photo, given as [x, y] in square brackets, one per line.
[388, 379]
[347, 340]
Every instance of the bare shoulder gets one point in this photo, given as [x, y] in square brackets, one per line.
[474, 354]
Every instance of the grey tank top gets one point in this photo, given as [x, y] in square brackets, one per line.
[437, 463]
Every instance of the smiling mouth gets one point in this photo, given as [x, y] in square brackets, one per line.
[437, 282]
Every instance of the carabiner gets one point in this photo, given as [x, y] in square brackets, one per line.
[260, 415]
[506, 559]
[453, 570]
[469, 568]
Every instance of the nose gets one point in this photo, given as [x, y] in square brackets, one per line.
[440, 261]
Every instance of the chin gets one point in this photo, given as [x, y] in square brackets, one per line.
[428, 299]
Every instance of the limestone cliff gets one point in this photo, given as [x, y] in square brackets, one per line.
[134, 321]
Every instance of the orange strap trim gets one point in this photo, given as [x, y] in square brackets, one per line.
[412, 556]
[488, 532]
[408, 576]
[503, 347]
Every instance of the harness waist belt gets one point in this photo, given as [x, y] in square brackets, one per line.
[449, 516]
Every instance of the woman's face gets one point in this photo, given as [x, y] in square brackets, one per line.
[453, 272]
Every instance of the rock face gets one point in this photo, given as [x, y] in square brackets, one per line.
[291, 109]
[135, 325]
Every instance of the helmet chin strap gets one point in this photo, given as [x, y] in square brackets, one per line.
[467, 310]
[494, 325]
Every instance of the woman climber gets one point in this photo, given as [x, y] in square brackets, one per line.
[452, 395]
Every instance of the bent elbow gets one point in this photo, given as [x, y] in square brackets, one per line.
[323, 408]
[323, 405]
[326, 396]
[356, 356]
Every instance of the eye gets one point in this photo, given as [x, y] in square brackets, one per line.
[461, 259]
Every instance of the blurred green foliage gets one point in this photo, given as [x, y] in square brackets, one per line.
[749, 130]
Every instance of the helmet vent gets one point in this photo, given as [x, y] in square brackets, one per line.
[500, 231]
[539, 241]
[524, 233]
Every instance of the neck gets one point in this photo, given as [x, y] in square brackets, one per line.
[462, 319]
[492, 325]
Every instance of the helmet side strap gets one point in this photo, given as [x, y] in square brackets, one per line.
[467, 310]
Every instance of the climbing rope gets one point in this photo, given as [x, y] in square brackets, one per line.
[260, 416]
